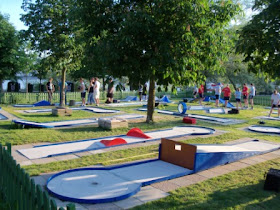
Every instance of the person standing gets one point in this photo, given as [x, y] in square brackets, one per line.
[50, 89]
[201, 94]
[110, 91]
[140, 92]
[83, 91]
[275, 102]
[61, 89]
[195, 92]
[238, 98]
[96, 91]
[227, 93]
[91, 91]
[144, 94]
[252, 95]
[245, 95]
[218, 91]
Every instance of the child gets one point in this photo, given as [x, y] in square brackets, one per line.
[238, 98]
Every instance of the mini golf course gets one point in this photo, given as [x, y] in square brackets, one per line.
[107, 184]
[134, 136]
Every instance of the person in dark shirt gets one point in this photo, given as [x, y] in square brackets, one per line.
[144, 94]
[50, 89]
[91, 91]
[110, 91]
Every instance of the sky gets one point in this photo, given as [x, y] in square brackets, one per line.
[13, 9]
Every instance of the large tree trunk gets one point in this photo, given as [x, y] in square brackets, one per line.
[26, 84]
[62, 89]
[151, 101]
[233, 84]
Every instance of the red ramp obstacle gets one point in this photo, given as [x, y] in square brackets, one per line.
[136, 132]
[116, 141]
[189, 120]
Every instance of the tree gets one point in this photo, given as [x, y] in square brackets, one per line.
[165, 42]
[51, 33]
[259, 40]
[9, 50]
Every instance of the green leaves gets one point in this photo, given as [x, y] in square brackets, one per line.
[260, 39]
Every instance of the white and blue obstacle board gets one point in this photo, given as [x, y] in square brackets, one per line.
[71, 123]
[218, 120]
[108, 184]
[265, 129]
[132, 137]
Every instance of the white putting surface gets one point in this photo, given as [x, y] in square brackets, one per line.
[197, 108]
[265, 129]
[201, 117]
[60, 123]
[216, 111]
[94, 144]
[92, 109]
[74, 122]
[108, 184]
[251, 146]
[269, 118]
[127, 104]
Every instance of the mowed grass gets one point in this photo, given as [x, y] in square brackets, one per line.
[237, 190]
[242, 189]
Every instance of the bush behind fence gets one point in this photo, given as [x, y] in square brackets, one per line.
[18, 191]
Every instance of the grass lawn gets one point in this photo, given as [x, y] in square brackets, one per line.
[240, 189]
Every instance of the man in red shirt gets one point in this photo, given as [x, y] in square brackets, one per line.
[201, 94]
[245, 95]
[226, 92]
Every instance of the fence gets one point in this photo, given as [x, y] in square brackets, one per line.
[18, 191]
[30, 98]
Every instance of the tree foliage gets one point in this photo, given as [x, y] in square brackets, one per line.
[9, 50]
[51, 32]
[259, 40]
[168, 42]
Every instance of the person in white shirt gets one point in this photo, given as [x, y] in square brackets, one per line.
[252, 95]
[275, 102]
[195, 92]
[96, 91]
[218, 89]
[82, 88]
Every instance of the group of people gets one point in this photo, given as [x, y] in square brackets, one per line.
[93, 91]
[246, 93]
